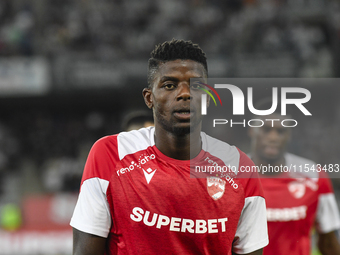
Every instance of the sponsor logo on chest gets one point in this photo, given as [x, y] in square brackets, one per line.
[198, 226]
[287, 214]
[141, 163]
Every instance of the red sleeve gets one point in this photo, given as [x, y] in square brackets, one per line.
[101, 159]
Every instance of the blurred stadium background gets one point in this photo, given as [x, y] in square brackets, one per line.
[71, 69]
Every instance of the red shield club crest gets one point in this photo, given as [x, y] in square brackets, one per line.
[297, 189]
[216, 187]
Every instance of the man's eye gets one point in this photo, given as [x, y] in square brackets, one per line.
[196, 85]
[281, 130]
[266, 129]
[169, 86]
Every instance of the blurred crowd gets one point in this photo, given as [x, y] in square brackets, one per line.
[127, 29]
[48, 149]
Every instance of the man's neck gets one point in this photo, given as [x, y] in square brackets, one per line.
[183, 147]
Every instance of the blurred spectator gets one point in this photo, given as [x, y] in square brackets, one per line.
[136, 120]
[9, 154]
[16, 30]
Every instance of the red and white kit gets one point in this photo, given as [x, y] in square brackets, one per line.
[294, 205]
[147, 203]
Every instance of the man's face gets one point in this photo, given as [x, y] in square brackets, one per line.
[269, 143]
[176, 104]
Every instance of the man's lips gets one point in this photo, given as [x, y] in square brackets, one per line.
[271, 149]
[183, 114]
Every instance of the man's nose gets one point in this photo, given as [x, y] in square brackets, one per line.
[184, 91]
[273, 134]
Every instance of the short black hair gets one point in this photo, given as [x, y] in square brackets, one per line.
[172, 50]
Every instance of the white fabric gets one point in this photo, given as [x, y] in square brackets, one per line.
[222, 150]
[134, 141]
[251, 231]
[302, 166]
[327, 216]
[92, 214]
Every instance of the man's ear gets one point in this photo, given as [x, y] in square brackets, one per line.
[148, 98]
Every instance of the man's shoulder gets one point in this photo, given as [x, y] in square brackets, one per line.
[135, 140]
[142, 135]
[211, 143]
[229, 154]
[295, 159]
[126, 142]
[302, 166]
[104, 142]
